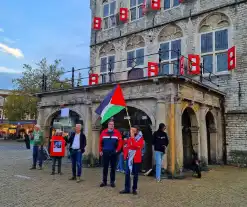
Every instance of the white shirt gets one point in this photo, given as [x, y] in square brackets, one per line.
[76, 142]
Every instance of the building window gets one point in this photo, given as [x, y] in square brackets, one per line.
[170, 3]
[214, 46]
[135, 58]
[109, 15]
[107, 64]
[1, 114]
[136, 9]
[169, 57]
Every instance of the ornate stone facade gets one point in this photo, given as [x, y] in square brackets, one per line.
[188, 21]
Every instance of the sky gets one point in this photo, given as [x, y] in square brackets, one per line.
[53, 29]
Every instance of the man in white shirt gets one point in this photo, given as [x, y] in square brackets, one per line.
[77, 142]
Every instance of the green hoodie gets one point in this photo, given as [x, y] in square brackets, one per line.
[38, 138]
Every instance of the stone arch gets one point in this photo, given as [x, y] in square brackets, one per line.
[50, 116]
[211, 137]
[214, 21]
[170, 32]
[190, 135]
[136, 41]
[107, 49]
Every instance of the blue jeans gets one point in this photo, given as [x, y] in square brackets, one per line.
[120, 165]
[76, 159]
[37, 155]
[159, 156]
[135, 171]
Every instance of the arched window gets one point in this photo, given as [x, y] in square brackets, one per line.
[135, 51]
[107, 61]
[170, 46]
[214, 43]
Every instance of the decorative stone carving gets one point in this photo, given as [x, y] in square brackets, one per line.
[214, 21]
[170, 32]
[107, 49]
[136, 41]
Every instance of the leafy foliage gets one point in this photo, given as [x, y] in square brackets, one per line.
[22, 102]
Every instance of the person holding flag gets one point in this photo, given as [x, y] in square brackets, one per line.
[110, 139]
[133, 159]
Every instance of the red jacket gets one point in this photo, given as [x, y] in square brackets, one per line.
[132, 144]
[110, 141]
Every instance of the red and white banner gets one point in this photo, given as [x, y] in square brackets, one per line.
[97, 21]
[181, 65]
[123, 14]
[93, 79]
[153, 69]
[231, 58]
[156, 4]
[194, 64]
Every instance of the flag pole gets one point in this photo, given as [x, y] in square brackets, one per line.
[128, 116]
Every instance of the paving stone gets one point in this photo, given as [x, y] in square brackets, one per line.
[222, 186]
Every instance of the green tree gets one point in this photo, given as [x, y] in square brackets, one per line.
[22, 101]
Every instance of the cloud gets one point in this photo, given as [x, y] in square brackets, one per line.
[12, 51]
[1, 30]
[9, 70]
[8, 40]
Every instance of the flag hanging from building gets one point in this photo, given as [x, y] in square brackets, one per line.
[112, 104]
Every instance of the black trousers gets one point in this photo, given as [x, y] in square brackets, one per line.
[54, 160]
[135, 171]
[109, 158]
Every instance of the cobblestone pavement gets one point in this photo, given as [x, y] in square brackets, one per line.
[222, 186]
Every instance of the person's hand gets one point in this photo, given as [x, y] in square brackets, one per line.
[101, 153]
[125, 139]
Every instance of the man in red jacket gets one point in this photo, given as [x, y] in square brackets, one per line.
[133, 158]
[109, 145]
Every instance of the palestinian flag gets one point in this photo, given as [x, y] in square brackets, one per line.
[112, 104]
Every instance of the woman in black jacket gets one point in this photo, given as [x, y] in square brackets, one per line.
[160, 142]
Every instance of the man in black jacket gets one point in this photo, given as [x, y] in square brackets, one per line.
[77, 143]
[160, 142]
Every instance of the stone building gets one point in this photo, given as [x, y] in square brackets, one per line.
[207, 113]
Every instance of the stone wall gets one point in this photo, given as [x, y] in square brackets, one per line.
[186, 20]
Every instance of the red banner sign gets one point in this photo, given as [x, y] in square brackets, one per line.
[153, 69]
[97, 23]
[156, 4]
[231, 56]
[93, 79]
[124, 13]
[57, 148]
[181, 65]
[194, 64]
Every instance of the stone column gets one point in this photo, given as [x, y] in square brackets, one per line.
[178, 136]
[95, 141]
[88, 130]
[203, 135]
[161, 117]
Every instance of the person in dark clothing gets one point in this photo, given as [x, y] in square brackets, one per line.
[160, 143]
[77, 143]
[109, 145]
[27, 140]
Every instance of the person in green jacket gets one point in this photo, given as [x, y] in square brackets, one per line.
[38, 141]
